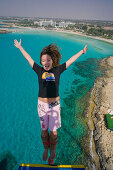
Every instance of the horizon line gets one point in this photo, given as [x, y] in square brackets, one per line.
[58, 18]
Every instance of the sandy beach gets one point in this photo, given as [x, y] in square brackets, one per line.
[58, 30]
[83, 34]
[4, 31]
[76, 33]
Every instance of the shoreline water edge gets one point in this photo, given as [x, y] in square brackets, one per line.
[59, 30]
[101, 138]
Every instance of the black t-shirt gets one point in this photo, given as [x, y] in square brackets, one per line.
[49, 80]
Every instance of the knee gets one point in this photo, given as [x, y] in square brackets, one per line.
[44, 133]
[45, 138]
[53, 134]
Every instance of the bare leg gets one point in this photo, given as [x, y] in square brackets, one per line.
[53, 142]
[45, 140]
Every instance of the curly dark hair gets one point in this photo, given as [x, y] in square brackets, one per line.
[53, 51]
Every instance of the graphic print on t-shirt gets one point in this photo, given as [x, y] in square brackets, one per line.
[48, 76]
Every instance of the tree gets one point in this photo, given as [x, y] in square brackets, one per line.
[84, 27]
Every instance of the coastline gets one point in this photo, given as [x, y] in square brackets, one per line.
[4, 31]
[59, 30]
[74, 33]
[82, 34]
[100, 101]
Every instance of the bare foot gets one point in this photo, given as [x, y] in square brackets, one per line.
[50, 161]
[45, 155]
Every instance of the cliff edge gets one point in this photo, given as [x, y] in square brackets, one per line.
[101, 100]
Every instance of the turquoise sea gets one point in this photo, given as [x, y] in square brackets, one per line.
[20, 131]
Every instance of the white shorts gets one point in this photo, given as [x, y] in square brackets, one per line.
[49, 115]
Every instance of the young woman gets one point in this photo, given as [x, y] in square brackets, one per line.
[48, 97]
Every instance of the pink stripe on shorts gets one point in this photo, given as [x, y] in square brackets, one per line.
[49, 115]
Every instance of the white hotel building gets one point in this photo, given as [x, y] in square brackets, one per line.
[45, 23]
[52, 23]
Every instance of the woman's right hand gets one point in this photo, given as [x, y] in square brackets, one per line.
[17, 44]
[85, 49]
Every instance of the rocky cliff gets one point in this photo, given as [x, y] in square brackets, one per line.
[101, 100]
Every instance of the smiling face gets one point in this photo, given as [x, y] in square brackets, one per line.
[46, 62]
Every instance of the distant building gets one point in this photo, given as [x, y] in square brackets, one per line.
[45, 23]
[108, 28]
[62, 24]
[70, 23]
[65, 24]
[36, 22]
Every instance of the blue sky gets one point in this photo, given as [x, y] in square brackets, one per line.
[70, 9]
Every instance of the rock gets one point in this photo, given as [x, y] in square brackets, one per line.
[7, 161]
[102, 96]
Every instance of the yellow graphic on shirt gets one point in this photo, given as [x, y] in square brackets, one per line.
[48, 76]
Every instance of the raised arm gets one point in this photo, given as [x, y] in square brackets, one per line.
[74, 58]
[25, 54]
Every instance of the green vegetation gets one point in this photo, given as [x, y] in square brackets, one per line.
[85, 27]
[100, 32]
